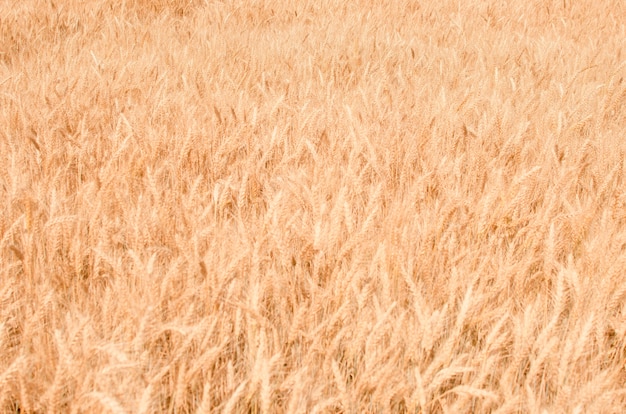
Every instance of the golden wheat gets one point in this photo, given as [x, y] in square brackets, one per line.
[272, 206]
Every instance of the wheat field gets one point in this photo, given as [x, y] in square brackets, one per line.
[303, 206]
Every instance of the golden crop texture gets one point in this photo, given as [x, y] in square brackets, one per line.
[266, 206]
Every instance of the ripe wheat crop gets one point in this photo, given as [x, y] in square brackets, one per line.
[312, 206]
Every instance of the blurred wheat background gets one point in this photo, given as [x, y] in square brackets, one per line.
[312, 206]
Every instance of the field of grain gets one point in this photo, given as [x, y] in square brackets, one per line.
[304, 206]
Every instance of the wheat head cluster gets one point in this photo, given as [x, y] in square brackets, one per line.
[301, 206]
